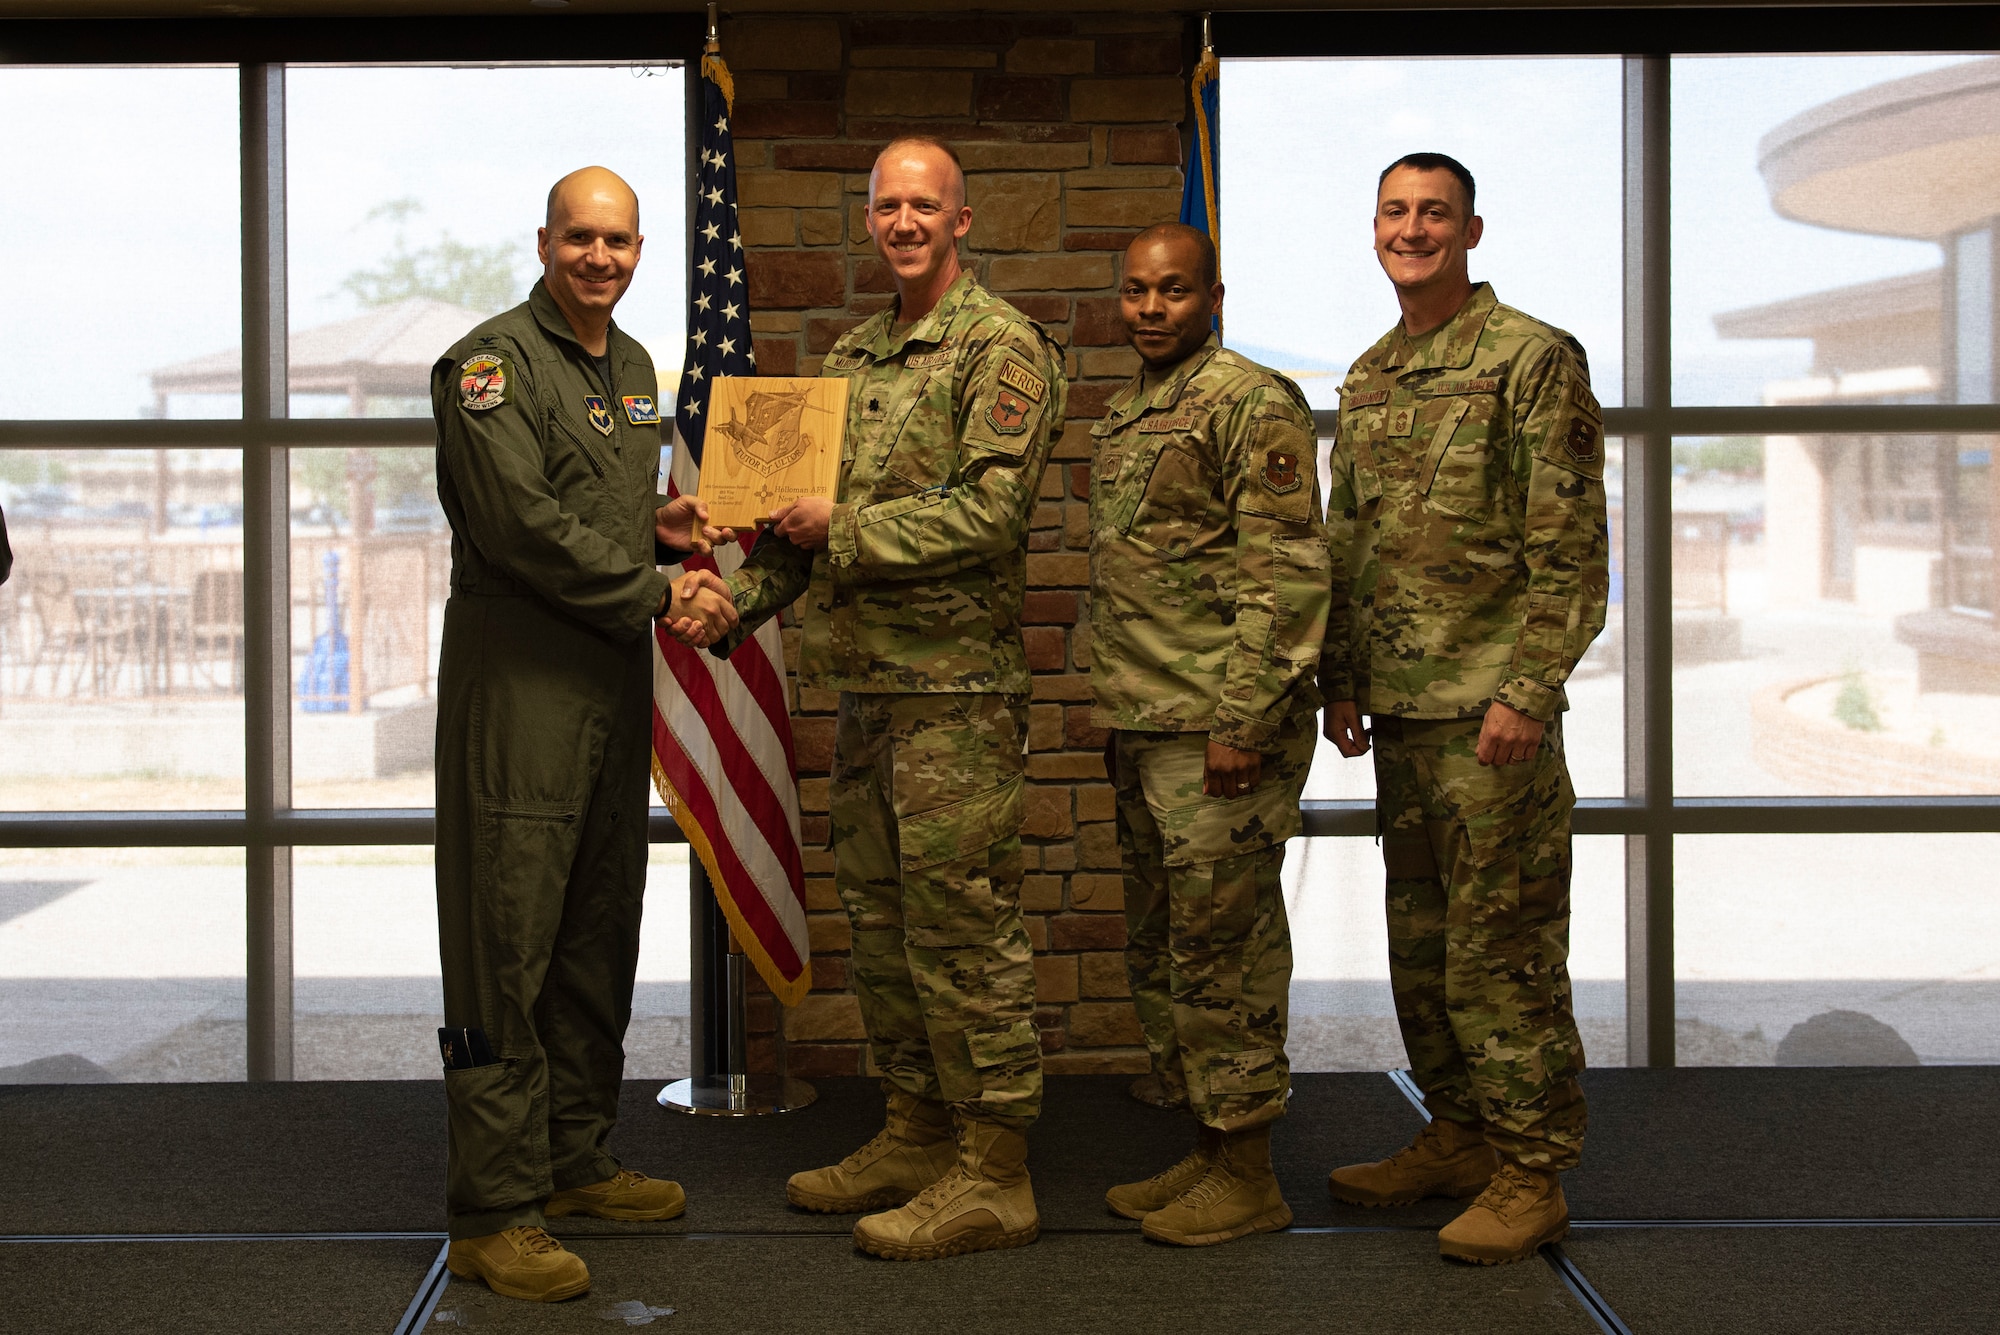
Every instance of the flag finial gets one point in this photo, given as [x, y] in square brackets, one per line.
[714, 43]
[1207, 39]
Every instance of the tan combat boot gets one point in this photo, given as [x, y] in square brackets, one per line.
[1446, 1159]
[912, 1150]
[985, 1203]
[1238, 1195]
[629, 1196]
[524, 1263]
[1521, 1209]
[1136, 1200]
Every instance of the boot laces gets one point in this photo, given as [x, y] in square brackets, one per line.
[534, 1241]
[1211, 1187]
[937, 1193]
[1166, 1175]
[1509, 1183]
[1429, 1144]
[883, 1142]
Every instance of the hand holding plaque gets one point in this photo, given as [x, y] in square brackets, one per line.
[771, 441]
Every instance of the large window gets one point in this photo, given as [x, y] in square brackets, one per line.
[1792, 329]
[219, 646]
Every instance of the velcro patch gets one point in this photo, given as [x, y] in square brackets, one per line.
[640, 410]
[600, 416]
[1018, 377]
[1582, 440]
[924, 361]
[1368, 400]
[1484, 385]
[483, 381]
[1009, 413]
[1167, 422]
[845, 361]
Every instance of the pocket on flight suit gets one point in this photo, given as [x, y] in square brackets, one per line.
[529, 850]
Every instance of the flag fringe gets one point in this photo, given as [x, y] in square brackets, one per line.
[712, 67]
[1205, 73]
[789, 991]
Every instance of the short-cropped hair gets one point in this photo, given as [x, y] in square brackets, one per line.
[1432, 162]
[1209, 268]
[928, 141]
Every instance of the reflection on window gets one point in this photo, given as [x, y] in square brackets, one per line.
[1307, 140]
[121, 630]
[121, 964]
[1833, 229]
[1836, 950]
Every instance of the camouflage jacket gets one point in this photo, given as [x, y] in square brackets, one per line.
[921, 584]
[547, 474]
[1208, 561]
[1466, 516]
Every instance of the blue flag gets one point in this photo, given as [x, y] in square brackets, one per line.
[1198, 206]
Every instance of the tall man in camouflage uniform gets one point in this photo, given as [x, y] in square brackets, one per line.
[1467, 523]
[1208, 597]
[915, 575]
[548, 454]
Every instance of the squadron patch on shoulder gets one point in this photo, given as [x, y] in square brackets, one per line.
[1281, 471]
[1018, 377]
[482, 381]
[640, 410]
[1009, 413]
[600, 415]
[1582, 440]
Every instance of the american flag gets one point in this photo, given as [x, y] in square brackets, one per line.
[722, 732]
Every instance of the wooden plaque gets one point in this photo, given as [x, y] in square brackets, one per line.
[771, 440]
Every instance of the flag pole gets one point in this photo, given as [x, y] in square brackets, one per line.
[720, 1083]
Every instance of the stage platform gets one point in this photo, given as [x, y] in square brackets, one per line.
[1713, 1201]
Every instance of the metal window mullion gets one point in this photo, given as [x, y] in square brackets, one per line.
[266, 582]
[1648, 626]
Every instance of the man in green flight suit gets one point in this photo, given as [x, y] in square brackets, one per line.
[548, 424]
[1208, 603]
[1467, 522]
[915, 575]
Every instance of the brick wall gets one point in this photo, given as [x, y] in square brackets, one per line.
[1070, 129]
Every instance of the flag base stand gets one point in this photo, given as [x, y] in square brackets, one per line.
[738, 1095]
[719, 1047]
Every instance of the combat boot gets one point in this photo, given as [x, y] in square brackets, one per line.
[1136, 1200]
[1238, 1195]
[1446, 1159]
[629, 1196]
[913, 1149]
[1520, 1210]
[524, 1263]
[985, 1203]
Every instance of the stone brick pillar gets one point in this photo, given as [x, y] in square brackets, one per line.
[1070, 130]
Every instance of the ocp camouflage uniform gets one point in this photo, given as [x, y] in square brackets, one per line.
[1468, 529]
[914, 615]
[1209, 594]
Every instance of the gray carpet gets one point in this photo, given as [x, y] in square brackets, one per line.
[209, 1288]
[1274, 1285]
[1782, 1281]
[1795, 1142]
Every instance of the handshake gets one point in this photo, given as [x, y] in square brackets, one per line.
[697, 610]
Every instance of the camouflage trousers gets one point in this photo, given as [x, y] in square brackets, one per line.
[1478, 862]
[926, 803]
[1208, 948]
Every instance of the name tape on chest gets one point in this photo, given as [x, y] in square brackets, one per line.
[640, 410]
[845, 361]
[924, 361]
[1023, 381]
[482, 382]
[1368, 400]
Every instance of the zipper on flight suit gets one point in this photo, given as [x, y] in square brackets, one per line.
[583, 446]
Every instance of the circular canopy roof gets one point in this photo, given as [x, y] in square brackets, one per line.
[1916, 157]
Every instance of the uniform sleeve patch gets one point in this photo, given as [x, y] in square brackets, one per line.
[1019, 378]
[484, 381]
[1009, 413]
[1583, 440]
[1281, 471]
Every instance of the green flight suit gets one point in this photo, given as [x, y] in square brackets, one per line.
[548, 477]
[914, 616]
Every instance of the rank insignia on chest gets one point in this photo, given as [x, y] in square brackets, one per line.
[482, 381]
[1009, 412]
[1402, 420]
[640, 410]
[600, 415]
[1582, 440]
[1281, 471]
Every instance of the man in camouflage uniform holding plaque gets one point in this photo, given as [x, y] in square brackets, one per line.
[1467, 522]
[914, 577]
[1208, 594]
